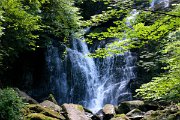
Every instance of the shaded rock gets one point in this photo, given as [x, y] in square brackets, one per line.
[127, 106]
[26, 98]
[90, 114]
[51, 105]
[108, 111]
[135, 114]
[100, 114]
[120, 117]
[37, 108]
[169, 113]
[74, 112]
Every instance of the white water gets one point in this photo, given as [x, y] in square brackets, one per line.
[79, 79]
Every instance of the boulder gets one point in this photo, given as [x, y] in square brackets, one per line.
[51, 105]
[39, 116]
[135, 114]
[74, 112]
[36, 110]
[127, 106]
[120, 117]
[26, 98]
[108, 111]
[169, 113]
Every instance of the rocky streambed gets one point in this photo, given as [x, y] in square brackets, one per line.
[127, 110]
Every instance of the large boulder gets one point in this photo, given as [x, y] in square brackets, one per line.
[108, 111]
[127, 106]
[51, 105]
[135, 114]
[74, 112]
[33, 111]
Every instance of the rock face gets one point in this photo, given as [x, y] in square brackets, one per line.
[74, 112]
[108, 111]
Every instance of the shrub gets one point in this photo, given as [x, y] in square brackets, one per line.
[10, 105]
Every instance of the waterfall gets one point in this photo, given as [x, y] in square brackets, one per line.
[80, 79]
[84, 74]
[58, 76]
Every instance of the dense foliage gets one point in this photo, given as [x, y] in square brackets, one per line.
[30, 24]
[166, 86]
[10, 105]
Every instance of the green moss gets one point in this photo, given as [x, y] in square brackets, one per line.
[36, 108]
[39, 116]
[79, 107]
[52, 99]
[120, 115]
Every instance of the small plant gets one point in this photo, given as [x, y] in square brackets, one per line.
[10, 105]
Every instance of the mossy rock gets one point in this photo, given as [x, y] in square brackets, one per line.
[170, 113]
[52, 99]
[127, 106]
[39, 116]
[120, 117]
[36, 108]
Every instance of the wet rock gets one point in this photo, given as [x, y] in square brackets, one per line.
[100, 114]
[120, 117]
[127, 106]
[74, 112]
[51, 105]
[26, 98]
[108, 111]
[135, 114]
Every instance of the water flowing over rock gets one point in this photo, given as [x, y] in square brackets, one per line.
[79, 79]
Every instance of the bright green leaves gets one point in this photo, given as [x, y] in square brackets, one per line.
[19, 23]
[166, 86]
[61, 17]
[29, 24]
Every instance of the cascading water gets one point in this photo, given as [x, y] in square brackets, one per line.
[77, 78]
[84, 74]
[58, 76]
